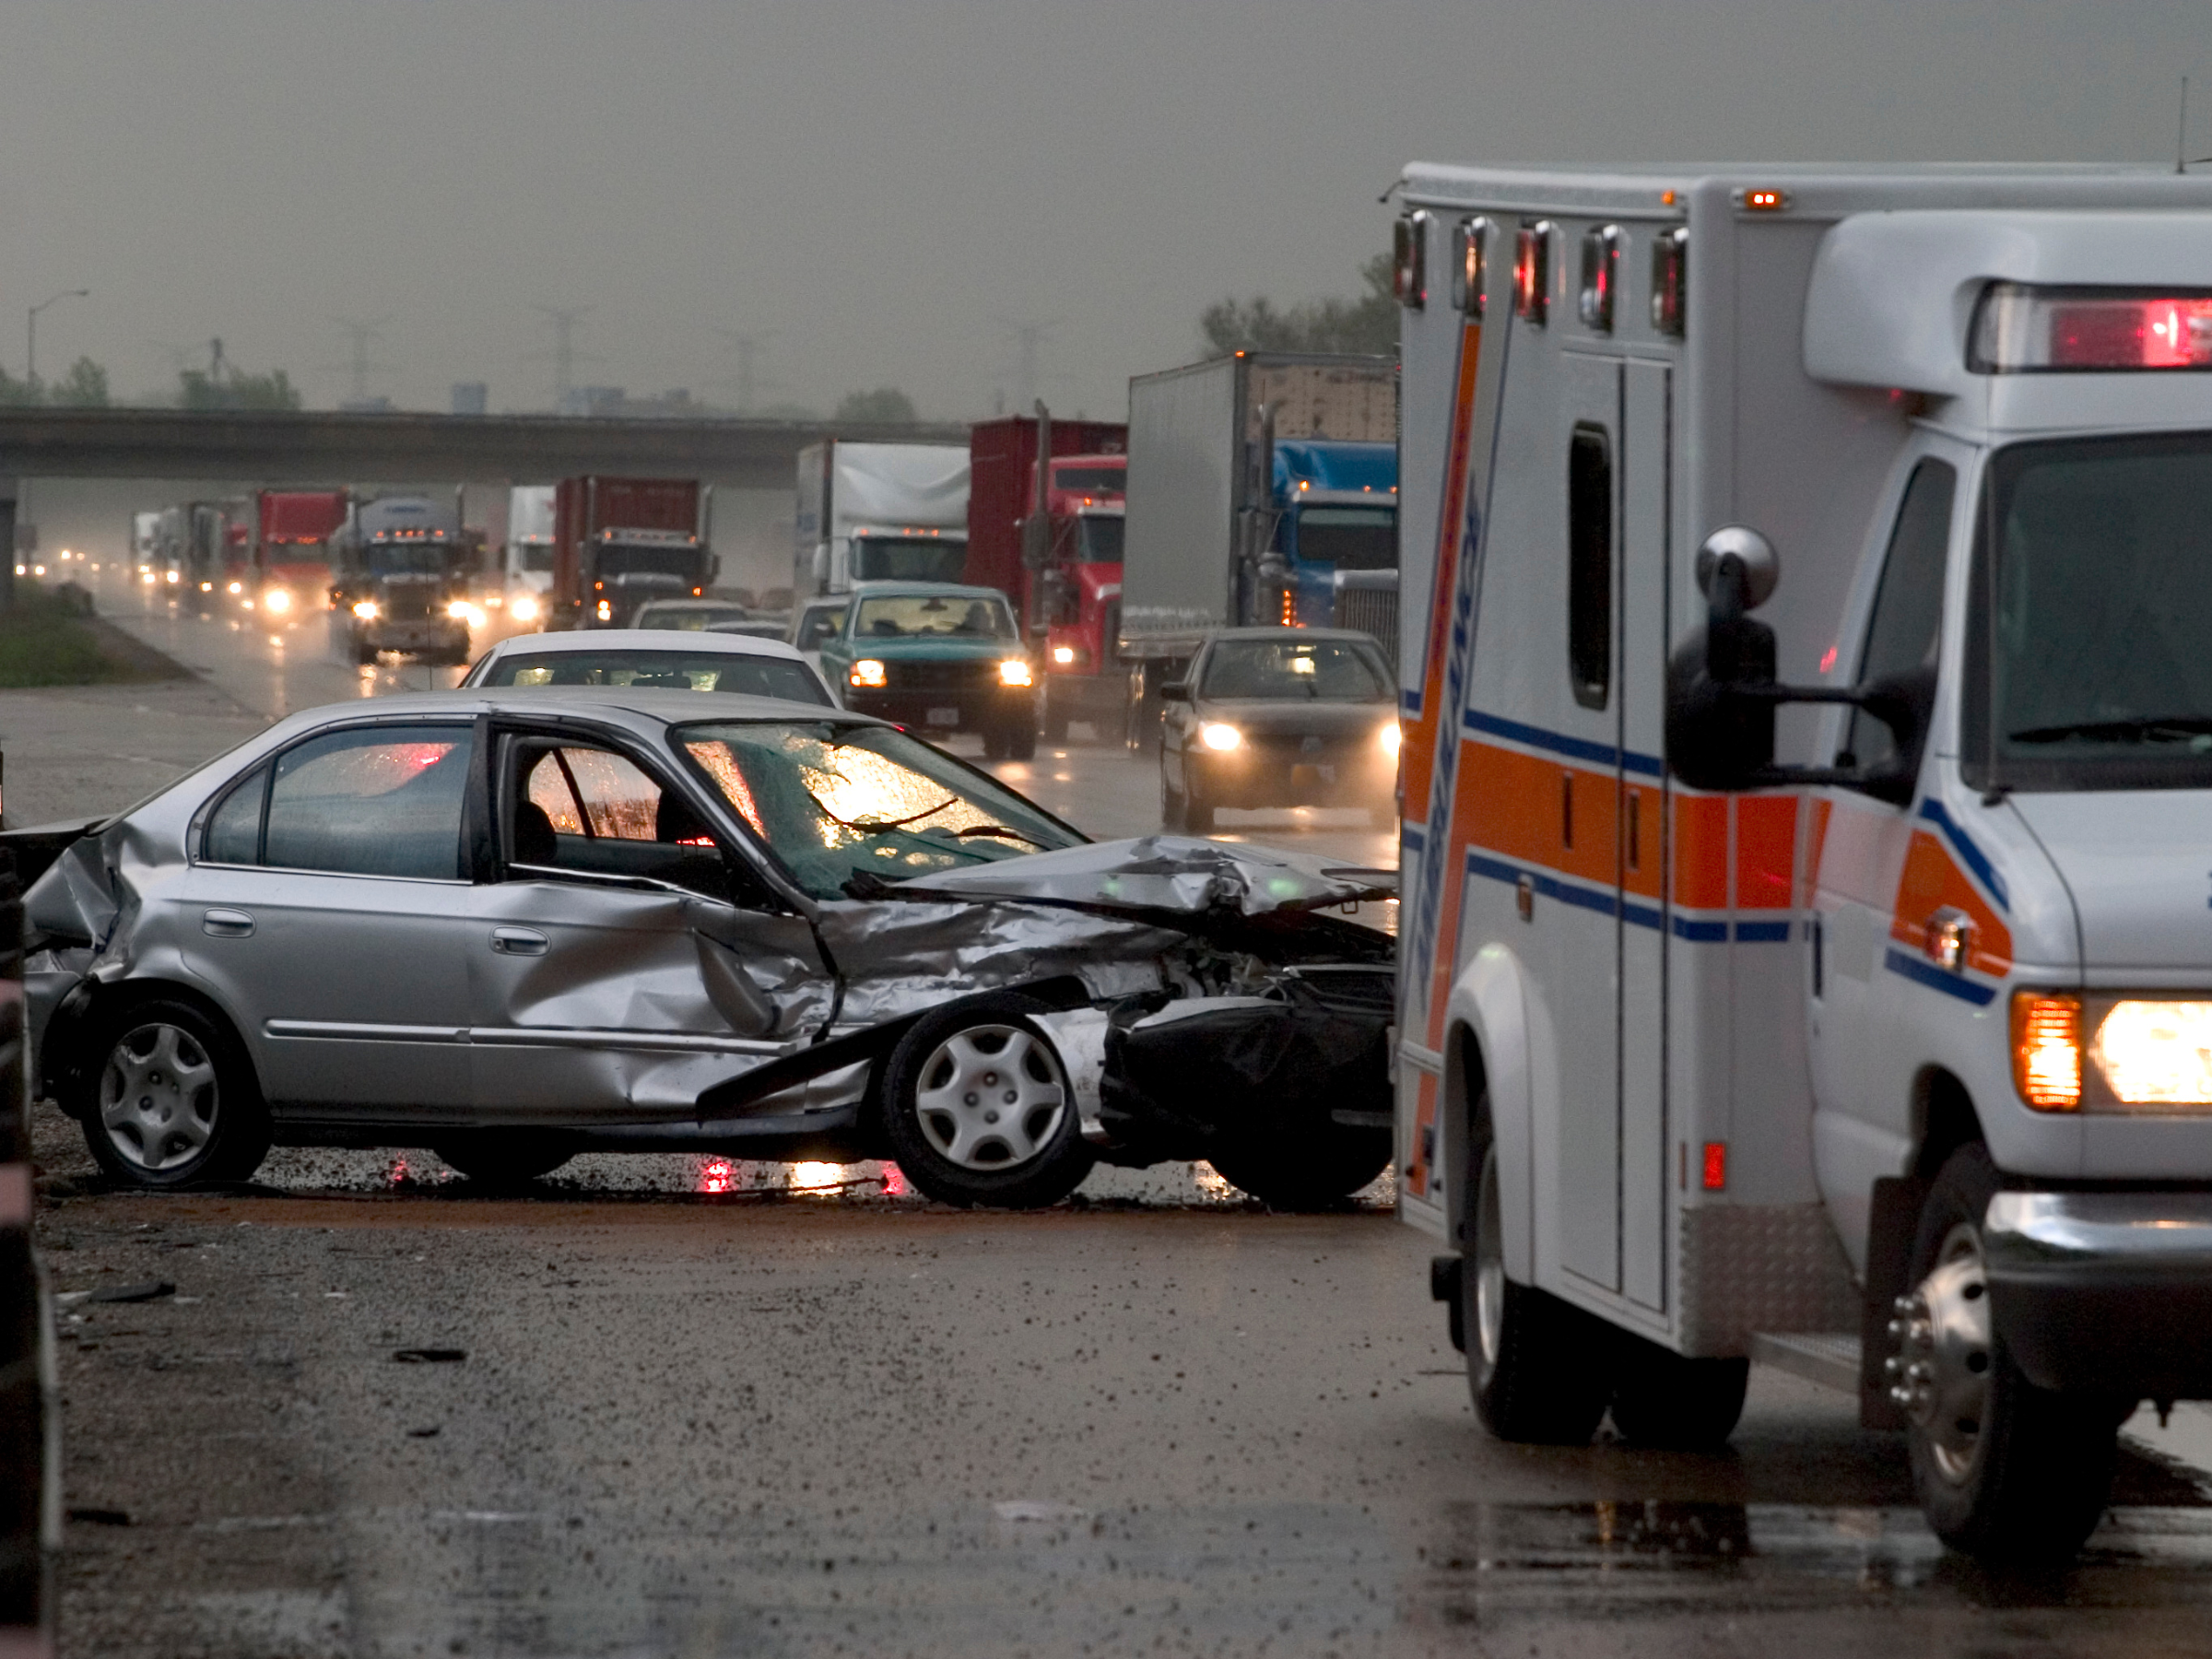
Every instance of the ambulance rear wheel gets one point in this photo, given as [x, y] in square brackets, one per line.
[2006, 1471]
[1537, 1368]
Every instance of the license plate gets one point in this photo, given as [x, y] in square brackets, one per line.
[943, 717]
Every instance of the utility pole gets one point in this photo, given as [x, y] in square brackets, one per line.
[747, 380]
[565, 355]
[362, 334]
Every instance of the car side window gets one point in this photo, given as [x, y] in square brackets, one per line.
[594, 811]
[233, 832]
[374, 801]
[1902, 632]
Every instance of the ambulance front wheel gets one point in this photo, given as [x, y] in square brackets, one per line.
[2006, 1471]
[1539, 1370]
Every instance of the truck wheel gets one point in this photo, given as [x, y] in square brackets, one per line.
[1662, 1399]
[364, 654]
[977, 1108]
[2006, 1471]
[504, 1159]
[1539, 1368]
[168, 1098]
[1055, 723]
[1317, 1171]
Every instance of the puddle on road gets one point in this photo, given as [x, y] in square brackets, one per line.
[1610, 1559]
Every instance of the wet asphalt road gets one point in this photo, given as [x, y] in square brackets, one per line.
[664, 1408]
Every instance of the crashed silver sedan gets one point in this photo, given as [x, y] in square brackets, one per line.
[515, 927]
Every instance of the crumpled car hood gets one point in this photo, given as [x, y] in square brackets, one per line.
[1170, 874]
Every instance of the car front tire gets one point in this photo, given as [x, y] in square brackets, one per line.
[166, 1097]
[504, 1158]
[1315, 1170]
[978, 1109]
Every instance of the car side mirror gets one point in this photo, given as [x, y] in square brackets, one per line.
[1175, 692]
[1722, 692]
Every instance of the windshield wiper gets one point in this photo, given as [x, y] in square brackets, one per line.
[2143, 729]
[999, 830]
[873, 824]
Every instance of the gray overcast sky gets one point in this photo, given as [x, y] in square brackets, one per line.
[891, 186]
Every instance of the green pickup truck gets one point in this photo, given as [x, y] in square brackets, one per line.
[939, 659]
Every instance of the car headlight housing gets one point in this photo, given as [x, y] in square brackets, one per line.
[458, 610]
[1218, 734]
[277, 600]
[867, 671]
[1015, 671]
[2112, 1051]
[523, 609]
[1388, 738]
[366, 609]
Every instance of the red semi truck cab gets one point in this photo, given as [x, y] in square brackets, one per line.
[290, 573]
[620, 542]
[1054, 546]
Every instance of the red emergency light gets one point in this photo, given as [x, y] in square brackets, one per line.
[2022, 330]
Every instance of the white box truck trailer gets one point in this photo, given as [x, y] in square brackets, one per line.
[1808, 783]
[879, 511]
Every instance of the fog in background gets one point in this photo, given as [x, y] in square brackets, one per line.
[885, 192]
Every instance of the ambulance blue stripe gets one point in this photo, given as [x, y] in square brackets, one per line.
[1558, 743]
[1411, 702]
[1413, 836]
[1637, 915]
[1937, 979]
[1961, 843]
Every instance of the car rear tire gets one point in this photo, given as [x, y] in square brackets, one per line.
[1539, 1368]
[495, 1157]
[2006, 1471]
[978, 1110]
[1314, 1172]
[166, 1097]
[1663, 1400]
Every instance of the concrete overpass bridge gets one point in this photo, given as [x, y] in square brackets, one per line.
[282, 446]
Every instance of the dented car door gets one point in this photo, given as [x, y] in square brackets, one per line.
[612, 977]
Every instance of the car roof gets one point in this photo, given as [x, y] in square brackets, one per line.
[941, 590]
[686, 604]
[640, 711]
[1302, 633]
[642, 639]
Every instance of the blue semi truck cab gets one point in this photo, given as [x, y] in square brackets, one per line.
[1336, 530]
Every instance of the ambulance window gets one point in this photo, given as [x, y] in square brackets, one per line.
[1589, 565]
[1908, 605]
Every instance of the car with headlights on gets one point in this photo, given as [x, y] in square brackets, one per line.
[1279, 717]
[940, 657]
[513, 925]
[652, 658]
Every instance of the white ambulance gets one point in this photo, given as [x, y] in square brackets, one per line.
[1807, 848]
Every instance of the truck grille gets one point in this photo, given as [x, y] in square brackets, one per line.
[406, 605]
[1372, 610]
[931, 677]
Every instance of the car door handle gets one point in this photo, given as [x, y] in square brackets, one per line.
[518, 941]
[226, 924]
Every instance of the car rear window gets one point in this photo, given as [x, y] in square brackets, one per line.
[1295, 670]
[663, 670]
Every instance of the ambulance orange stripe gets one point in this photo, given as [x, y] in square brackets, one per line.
[1931, 881]
[1419, 749]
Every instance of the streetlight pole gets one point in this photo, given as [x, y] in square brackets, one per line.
[31, 332]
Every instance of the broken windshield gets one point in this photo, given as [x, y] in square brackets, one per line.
[835, 800]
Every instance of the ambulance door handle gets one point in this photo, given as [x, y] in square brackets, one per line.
[1524, 897]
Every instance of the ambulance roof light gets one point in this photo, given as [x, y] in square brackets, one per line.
[1600, 276]
[2024, 329]
[1470, 267]
[1532, 272]
[1409, 260]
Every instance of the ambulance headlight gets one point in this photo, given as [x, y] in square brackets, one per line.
[2112, 1053]
[1217, 735]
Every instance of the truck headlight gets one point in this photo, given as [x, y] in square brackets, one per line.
[523, 609]
[867, 671]
[1388, 738]
[1218, 736]
[607, 611]
[366, 609]
[1015, 671]
[1063, 655]
[236, 587]
[277, 600]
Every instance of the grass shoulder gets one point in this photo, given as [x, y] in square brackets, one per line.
[51, 637]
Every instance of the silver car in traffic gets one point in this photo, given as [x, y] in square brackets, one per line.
[516, 925]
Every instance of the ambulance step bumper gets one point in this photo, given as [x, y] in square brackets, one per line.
[1827, 1358]
[2104, 1292]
